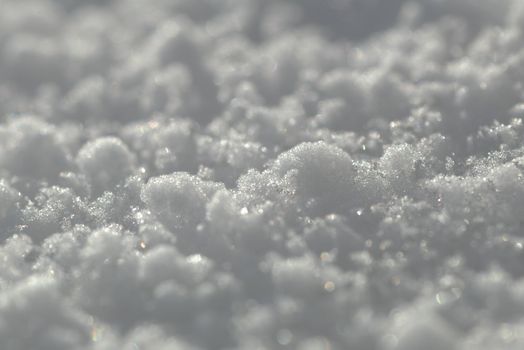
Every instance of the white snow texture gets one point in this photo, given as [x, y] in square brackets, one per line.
[261, 174]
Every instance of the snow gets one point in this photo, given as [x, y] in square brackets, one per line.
[261, 174]
[106, 162]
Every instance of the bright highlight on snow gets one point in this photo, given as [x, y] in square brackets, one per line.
[261, 174]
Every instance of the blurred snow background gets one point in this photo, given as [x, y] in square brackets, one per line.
[261, 174]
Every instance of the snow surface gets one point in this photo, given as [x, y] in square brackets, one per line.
[261, 174]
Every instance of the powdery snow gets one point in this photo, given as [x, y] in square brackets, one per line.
[261, 174]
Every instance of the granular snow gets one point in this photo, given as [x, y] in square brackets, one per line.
[261, 174]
